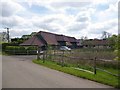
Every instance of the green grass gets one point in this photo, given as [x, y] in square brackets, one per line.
[100, 77]
[0, 53]
[3, 53]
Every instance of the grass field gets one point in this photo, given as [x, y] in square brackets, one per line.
[101, 77]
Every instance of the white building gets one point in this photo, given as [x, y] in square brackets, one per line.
[3, 37]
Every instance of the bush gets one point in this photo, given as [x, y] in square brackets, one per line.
[20, 50]
[32, 48]
[15, 50]
[117, 54]
[4, 45]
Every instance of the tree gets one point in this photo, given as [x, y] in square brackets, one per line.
[116, 46]
[113, 41]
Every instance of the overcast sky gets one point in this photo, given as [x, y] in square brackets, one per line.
[69, 17]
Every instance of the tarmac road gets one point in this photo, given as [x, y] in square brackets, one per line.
[20, 72]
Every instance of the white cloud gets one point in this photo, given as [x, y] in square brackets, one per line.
[110, 26]
[52, 22]
[83, 17]
[19, 32]
[108, 14]
[66, 17]
[15, 22]
[10, 8]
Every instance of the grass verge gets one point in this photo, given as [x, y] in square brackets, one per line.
[100, 77]
[3, 53]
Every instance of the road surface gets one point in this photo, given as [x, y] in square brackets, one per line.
[20, 72]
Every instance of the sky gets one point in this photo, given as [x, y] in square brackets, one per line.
[74, 18]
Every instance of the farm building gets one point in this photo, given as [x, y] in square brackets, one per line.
[96, 43]
[42, 39]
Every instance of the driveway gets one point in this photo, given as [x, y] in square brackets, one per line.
[20, 72]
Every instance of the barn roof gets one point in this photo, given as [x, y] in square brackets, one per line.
[33, 41]
[96, 42]
[50, 38]
[72, 39]
[42, 38]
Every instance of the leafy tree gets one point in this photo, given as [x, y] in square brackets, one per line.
[118, 46]
[113, 41]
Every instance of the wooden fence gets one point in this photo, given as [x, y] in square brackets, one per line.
[86, 63]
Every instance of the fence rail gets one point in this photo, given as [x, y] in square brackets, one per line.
[117, 75]
[87, 64]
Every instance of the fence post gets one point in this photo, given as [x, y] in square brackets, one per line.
[54, 55]
[38, 53]
[62, 59]
[14, 51]
[27, 52]
[46, 54]
[43, 57]
[95, 65]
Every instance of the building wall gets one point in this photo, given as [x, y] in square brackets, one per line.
[62, 43]
[74, 45]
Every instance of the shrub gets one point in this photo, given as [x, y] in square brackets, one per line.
[117, 54]
[15, 49]
[20, 50]
[4, 45]
[32, 48]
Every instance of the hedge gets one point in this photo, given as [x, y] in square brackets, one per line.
[20, 50]
[8, 44]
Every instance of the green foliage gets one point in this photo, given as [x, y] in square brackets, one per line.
[115, 44]
[19, 50]
[117, 48]
[32, 48]
[116, 54]
[49, 49]
[15, 48]
[4, 45]
[18, 40]
[114, 41]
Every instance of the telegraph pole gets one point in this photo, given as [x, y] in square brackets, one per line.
[8, 36]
